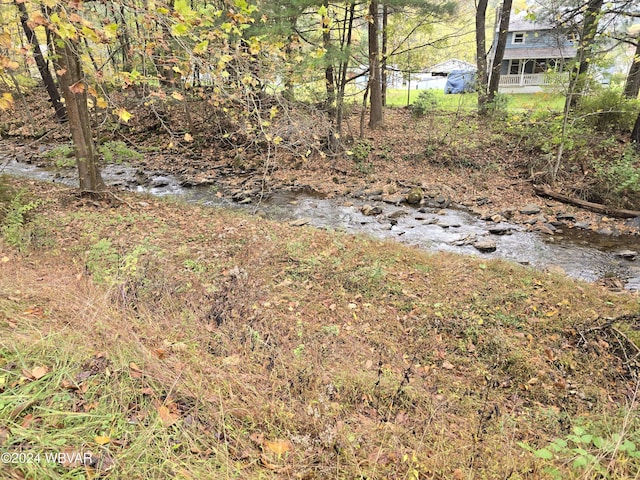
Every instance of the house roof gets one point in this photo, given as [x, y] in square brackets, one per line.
[546, 52]
[519, 23]
[452, 64]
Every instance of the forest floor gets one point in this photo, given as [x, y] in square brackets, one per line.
[147, 338]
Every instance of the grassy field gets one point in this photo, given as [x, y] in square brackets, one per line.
[142, 338]
[469, 101]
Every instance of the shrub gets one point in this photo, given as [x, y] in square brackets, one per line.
[16, 214]
[588, 455]
[62, 156]
[360, 151]
[427, 101]
[118, 152]
[608, 109]
[621, 175]
[499, 104]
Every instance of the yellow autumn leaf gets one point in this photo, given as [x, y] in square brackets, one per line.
[277, 140]
[201, 47]
[6, 101]
[278, 447]
[188, 137]
[9, 64]
[77, 87]
[5, 40]
[124, 115]
[101, 103]
[177, 96]
[101, 440]
[111, 30]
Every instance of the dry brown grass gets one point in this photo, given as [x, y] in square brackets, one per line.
[224, 346]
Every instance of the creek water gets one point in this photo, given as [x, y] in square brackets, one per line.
[582, 254]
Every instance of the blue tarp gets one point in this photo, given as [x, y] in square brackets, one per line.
[460, 81]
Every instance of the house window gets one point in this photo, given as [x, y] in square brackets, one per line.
[514, 67]
[518, 37]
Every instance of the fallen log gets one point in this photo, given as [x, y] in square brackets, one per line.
[545, 191]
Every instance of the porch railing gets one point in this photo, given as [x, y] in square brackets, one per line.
[530, 79]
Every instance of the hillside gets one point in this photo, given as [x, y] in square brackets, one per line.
[165, 340]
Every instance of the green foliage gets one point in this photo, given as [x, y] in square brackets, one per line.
[16, 216]
[118, 152]
[499, 104]
[360, 151]
[621, 175]
[108, 266]
[607, 109]
[62, 156]
[542, 132]
[585, 452]
[426, 102]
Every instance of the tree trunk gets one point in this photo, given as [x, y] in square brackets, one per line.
[344, 67]
[635, 134]
[375, 87]
[593, 207]
[632, 85]
[481, 55]
[125, 42]
[74, 91]
[329, 75]
[496, 68]
[43, 68]
[577, 82]
[385, 49]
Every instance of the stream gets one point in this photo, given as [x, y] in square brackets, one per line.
[581, 254]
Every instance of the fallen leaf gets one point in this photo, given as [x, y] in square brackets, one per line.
[39, 372]
[166, 416]
[69, 385]
[34, 311]
[278, 447]
[160, 353]
[549, 354]
[447, 365]
[27, 420]
[101, 440]
[4, 435]
[135, 367]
